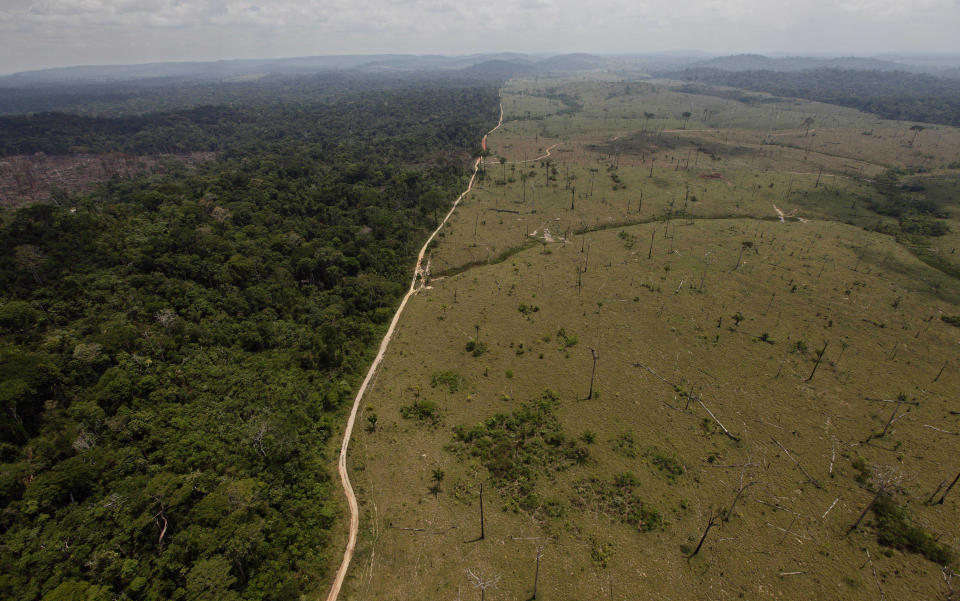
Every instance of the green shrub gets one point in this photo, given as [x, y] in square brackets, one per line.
[625, 444]
[528, 309]
[617, 500]
[567, 339]
[476, 348]
[665, 462]
[644, 518]
[516, 447]
[450, 380]
[423, 411]
[953, 320]
[895, 530]
[625, 480]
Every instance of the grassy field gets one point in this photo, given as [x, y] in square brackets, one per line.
[696, 317]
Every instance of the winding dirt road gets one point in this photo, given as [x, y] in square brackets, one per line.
[415, 286]
[542, 156]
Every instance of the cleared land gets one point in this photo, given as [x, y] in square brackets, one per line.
[662, 254]
[38, 178]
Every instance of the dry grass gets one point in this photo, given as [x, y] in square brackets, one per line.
[798, 285]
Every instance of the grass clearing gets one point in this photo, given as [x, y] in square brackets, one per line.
[734, 361]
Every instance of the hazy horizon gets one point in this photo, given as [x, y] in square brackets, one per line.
[684, 53]
[39, 34]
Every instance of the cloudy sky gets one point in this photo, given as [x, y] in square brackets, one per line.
[46, 33]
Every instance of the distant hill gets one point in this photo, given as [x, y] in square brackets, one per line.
[758, 62]
[498, 69]
[891, 94]
[234, 69]
[204, 70]
[227, 70]
[566, 63]
[510, 63]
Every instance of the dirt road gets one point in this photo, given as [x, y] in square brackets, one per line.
[546, 155]
[415, 286]
[483, 143]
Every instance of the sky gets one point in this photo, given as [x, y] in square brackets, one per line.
[50, 33]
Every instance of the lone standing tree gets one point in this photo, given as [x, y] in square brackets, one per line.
[483, 582]
[817, 364]
[706, 263]
[743, 246]
[481, 511]
[437, 478]
[714, 519]
[916, 129]
[593, 373]
[536, 574]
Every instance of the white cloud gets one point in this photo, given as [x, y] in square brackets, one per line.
[42, 32]
[895, 9]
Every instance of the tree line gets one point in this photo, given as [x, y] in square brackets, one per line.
[890, 94]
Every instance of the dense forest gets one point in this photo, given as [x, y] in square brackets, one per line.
[155, 94]
[374, 117]
[176, 351]
[890, 94]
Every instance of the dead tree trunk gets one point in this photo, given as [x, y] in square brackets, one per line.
[940, 486]
[810, 478]
[161, 516]
[886, 479]
[940, 373]
[890, 421]
[742, 488]
[593, 373]
[944, 495]
[703, 276]
[536, 574]
[483, 583]
[817, 364]
[866, 509]
[722, 427]
[481, 511]
[710, 524]
[740, 256]
[900, 400]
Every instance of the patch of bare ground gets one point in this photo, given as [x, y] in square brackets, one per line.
[29, 179]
